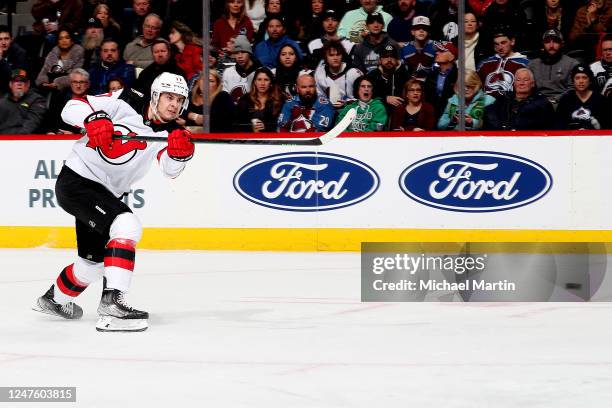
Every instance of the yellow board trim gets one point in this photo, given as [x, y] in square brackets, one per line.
[292, 239]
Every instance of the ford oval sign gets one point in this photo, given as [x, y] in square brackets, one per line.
[306, 181]
[475, 181]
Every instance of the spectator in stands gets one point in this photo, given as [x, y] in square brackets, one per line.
[474, 48]
[187, 51]
[389, 78]
[415, 114]
[353, 24]
[583, 108]
[55, 13]
[62, 59]
[133, 19]
[258, 110]
[307, 111]
[237, 79]
[311, 23]
[110, 27]
[232, 23]
[365, 55]
[497, 72]
[371, 113]
[162, 62]
[400, 27]
[525, 109]
[12, 57]
[194, 114]
[602, 69]
[591, 22]
[91, 42]
[267, 51]
[222, 106]
[21, 109]
[475, 100]
[555, 15]
[418, 55]
[256, 11]
[506, 15]
[288, 67]
[115, 84]
[479, 7]
[330, 21]
[138, 52]
[79, 84]
[109, 67]
[440, 83]
[444, 20]
[552, 71]
[335, 77]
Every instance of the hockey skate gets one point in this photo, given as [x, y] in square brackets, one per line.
[116, 315]
[46, 304]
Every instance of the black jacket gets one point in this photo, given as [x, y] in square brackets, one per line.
[23, 116]
[508, 113]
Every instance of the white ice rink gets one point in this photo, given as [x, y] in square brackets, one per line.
[239, 329]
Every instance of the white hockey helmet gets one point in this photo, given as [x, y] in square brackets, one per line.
[167, 82]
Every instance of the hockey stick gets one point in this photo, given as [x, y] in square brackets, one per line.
[317, 141]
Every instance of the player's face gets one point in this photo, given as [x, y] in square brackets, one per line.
[287, 56]
[161, 54]
[262, 82]
[110, 52]
[552, 46]
[330, 25]
[364, 93]
[503, 46]
[420, 33]
[5, 41]
[333, 59]
[169, 106]
[581, 82]
[306, 88]
[606, 51]
[470, 23]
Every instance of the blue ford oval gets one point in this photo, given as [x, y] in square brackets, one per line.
[475, 181]
[306, 181]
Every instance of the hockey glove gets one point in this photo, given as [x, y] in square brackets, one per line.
[99, 129]
[180, 146]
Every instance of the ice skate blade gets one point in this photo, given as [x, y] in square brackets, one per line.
[114, 324]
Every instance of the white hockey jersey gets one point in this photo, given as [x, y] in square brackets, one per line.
[236, 84]
[129, 160]
[338, 87]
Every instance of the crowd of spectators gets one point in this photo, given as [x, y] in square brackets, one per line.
[300, 65]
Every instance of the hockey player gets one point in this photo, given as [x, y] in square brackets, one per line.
[98, 172]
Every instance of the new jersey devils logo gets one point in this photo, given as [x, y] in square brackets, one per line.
[121, 151]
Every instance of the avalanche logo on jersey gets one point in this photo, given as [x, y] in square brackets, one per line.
[121, 151]
[499, 81]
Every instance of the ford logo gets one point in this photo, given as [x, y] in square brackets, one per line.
[306, 181]
[475, 181]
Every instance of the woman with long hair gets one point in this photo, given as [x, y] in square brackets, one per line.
[187, 49]
[475, 100]
[415, 114]
[111, 28]
[288, 67]
[258, 110]
[475, 50]
[62, 59]
[232, 23]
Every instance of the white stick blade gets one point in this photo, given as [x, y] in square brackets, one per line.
[340, 127]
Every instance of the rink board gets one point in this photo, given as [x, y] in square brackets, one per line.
[525, 188]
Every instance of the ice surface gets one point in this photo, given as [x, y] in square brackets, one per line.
[244, 329]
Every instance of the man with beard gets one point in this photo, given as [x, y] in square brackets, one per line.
[389, 78]
[365, 55]
[110, 67]
[92, 40]
[400, 27]
[552, 71]
[237, 79]
[583, 108]
[21, 109]
[266, 51]
[603, 69]
[307, 111]
[162, 62]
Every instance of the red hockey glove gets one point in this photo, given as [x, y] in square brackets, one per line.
[180, 146]
[99, 129]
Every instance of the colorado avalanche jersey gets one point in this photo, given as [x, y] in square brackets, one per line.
[126, 161]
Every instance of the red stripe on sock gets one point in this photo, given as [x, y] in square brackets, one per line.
[72, 278]
[119, 263]
[60, 285]
[115, 243]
